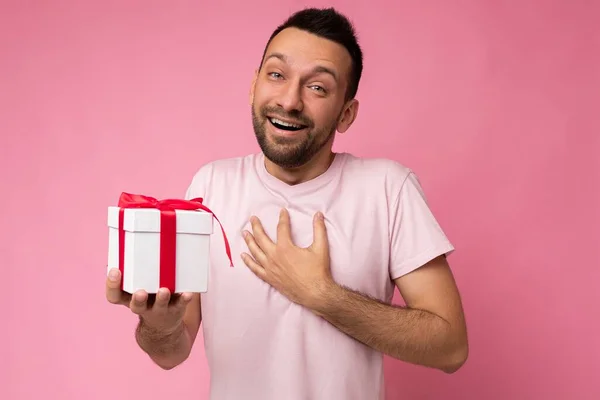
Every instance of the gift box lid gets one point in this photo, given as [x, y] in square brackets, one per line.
[148, 220]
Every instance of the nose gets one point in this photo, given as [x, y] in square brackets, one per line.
[290, 98]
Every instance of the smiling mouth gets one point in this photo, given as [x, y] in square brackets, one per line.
[285, 126]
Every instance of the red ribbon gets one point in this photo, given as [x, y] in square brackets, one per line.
[168, 230]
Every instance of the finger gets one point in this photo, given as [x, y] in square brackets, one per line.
[254, 266]
[254, 248]
[162, 298]
[138, 302]
[262, 239]
[320, 241]
[114, 294]
[183, 300]
[284, 230]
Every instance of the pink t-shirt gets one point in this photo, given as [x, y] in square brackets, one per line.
[261, 346]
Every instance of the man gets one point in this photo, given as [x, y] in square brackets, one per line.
[320, 242]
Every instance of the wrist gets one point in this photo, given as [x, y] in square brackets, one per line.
[160, 343]
[323, 297]
[159, 330]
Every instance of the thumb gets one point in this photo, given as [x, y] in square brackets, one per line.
[320, 242]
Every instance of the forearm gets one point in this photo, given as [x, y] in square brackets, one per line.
[166, 348]
[410, 335]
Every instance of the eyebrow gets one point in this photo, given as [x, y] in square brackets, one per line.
[319, 69]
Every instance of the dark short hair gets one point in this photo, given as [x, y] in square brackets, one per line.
[328, 24]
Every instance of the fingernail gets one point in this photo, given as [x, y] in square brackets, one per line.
[113, 274]
[320, 216]
[140, 297]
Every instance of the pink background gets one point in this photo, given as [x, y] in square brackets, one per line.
[494, 104]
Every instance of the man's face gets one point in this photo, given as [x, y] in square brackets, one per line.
[298, 97]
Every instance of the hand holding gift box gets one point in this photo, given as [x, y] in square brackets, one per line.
[161, 243]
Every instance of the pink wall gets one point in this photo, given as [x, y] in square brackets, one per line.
[495, 105]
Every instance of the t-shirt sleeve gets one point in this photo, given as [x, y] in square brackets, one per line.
[416, 235]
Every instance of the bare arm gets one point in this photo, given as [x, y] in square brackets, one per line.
[429, 331]
[169, 347]
[167, 328]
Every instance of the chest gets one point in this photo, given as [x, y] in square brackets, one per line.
[357, 235]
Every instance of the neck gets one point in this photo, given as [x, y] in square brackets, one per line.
[312, 169]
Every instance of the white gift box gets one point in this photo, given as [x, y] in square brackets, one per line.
[141, 269]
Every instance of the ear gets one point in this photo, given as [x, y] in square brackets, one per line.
[251, 95]
[348, 116]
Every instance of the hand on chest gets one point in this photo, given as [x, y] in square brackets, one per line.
[300, 230]
[354, 246]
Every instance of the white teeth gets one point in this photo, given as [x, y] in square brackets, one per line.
[280, 122]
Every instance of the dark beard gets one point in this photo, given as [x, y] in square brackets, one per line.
[290, 152]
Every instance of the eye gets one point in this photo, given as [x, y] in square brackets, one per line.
[317, 88]
[275, 75]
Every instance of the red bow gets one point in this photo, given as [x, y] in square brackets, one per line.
[167, 230]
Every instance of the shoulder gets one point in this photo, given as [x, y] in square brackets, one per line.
[382, 172]
[219, 171]
[380, 167]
